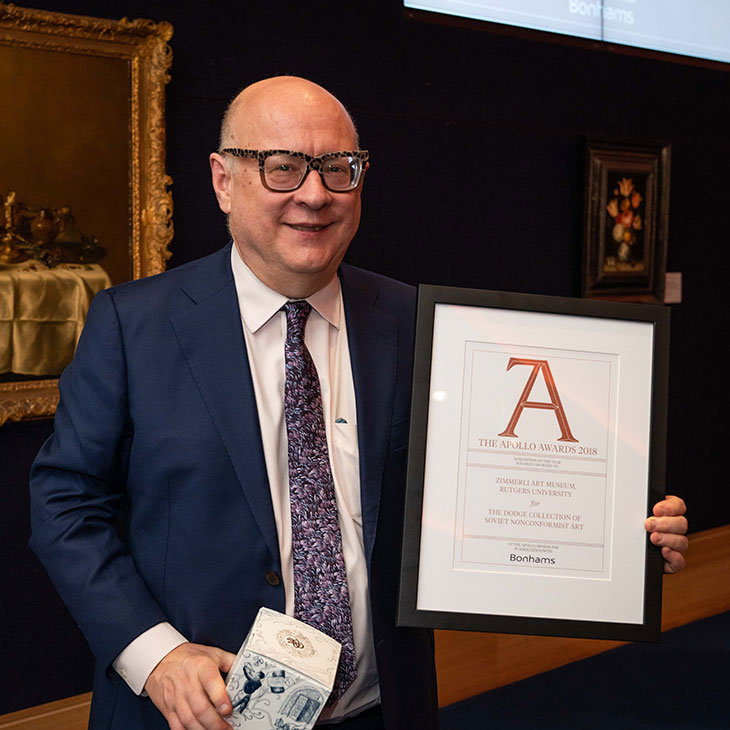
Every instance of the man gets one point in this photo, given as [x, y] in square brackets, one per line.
[161, 505]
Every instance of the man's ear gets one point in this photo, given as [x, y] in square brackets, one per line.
[221, 179]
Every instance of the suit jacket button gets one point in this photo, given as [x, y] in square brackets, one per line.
[272, 578]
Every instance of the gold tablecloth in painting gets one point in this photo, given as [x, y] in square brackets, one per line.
[42, 313]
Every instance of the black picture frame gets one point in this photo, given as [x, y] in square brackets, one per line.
[589, 315]
[626, 219]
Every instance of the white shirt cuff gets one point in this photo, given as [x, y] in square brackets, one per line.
[137, 660]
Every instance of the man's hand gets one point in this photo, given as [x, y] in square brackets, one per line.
[187, 687]
[667, 529]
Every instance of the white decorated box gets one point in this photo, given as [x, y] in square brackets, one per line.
[282, 674]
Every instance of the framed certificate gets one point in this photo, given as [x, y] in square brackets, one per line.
[537, 449]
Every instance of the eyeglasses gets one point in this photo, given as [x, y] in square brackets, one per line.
[283, 171]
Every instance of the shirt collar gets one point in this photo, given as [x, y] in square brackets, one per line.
[258, 303]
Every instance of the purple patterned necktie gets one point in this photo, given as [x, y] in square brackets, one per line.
[321, 598]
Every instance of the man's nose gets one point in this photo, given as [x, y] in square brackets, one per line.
[313, 193]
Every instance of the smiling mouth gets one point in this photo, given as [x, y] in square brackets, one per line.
[307, 227]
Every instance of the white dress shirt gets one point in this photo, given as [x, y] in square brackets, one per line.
[264, 328]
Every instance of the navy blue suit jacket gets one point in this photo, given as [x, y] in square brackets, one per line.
[151, 500]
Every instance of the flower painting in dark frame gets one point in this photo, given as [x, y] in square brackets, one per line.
[626, 220]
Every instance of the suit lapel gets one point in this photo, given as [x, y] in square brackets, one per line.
[372, 338]
[210, 334]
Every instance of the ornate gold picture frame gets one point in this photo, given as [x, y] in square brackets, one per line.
[83, 189]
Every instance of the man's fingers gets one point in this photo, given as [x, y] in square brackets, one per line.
[214, 686]
[185, 720]
[668, 540]
[667, 530]
[187, 688]
[673, 560]
[670, 505]
[174, 721]
[193, 711]
[199, 714]
[675, 525]
[225, 660]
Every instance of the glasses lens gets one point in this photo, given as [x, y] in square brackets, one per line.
[341, 173]
[284, 172]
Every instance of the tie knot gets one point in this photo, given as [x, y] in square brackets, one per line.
[296, 317]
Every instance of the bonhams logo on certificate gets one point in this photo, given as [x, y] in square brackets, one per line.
[535, 475]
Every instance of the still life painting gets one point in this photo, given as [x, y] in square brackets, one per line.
[626, 218]
[84, 200]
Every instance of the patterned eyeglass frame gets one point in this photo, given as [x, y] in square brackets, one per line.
[313, 163]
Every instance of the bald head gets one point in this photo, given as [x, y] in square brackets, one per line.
[292, 240]
[280, 99]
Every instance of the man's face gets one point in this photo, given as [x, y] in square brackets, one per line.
[294, 241]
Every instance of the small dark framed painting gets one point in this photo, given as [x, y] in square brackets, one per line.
[626, 219]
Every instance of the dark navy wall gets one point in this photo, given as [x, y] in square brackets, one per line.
[476, 181]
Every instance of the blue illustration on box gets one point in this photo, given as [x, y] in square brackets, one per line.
[266, 694]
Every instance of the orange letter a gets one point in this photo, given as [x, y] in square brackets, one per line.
[554, 404]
